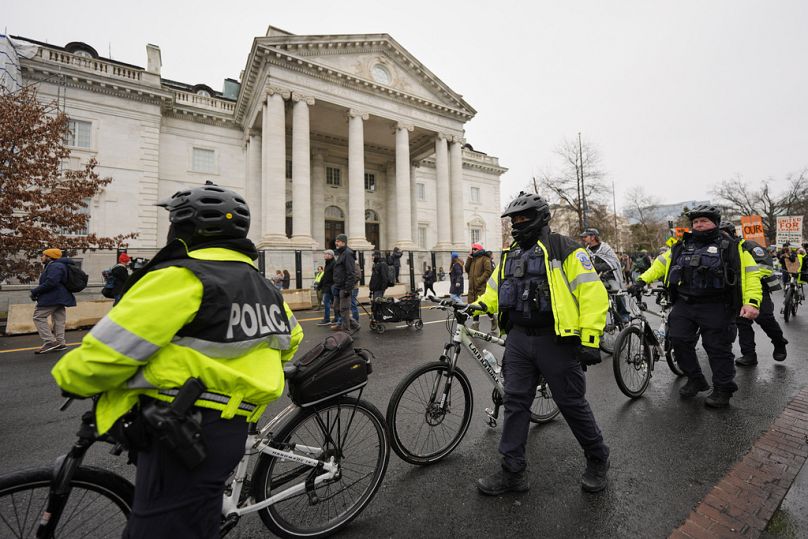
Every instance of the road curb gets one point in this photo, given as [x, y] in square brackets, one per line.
[743, 502]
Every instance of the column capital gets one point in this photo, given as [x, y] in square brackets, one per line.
[459, 139]
[354, 113]
[283, 92]
[408, 127]
[442, 136]
[297, 96]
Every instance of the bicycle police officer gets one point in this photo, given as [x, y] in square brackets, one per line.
[553, 305]
[711, 279]
[766, 320]
[201, 309]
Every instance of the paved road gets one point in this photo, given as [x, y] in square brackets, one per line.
[666, 453]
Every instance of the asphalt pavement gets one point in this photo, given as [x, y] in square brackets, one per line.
[666, 453]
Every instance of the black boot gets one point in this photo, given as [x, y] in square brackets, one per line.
[503, 481]
[594, 478]
[780, 353]
[693, 386]
[747, 360]
[718, 399]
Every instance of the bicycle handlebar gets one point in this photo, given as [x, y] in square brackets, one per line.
[445, 301]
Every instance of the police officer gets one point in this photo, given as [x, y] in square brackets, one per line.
[201, 309]
[766, 320]
[552, 304]
[711, 279]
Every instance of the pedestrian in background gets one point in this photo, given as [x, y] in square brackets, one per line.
[344, 279]
[429, 281]
[52, 299]
[395, 261]
[277, 279]
[327, 285]
[378, 276]
[456, 279]
[317, 288]
[286, 280]
[479, 268]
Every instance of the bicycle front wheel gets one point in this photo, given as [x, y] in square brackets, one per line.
[429, 413]
[544, 408]
[98, 505]
[670, 357]
[788, 304]
[349, 431]
[632, 362]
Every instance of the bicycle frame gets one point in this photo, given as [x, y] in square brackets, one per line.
[462, 336]
[260, 442]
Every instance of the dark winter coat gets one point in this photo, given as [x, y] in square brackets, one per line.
[378, 277]
[328, 275]
[429, 277]
[479, 267]
[51, 290]
[395, 256]
[344, 269]
[456, 278]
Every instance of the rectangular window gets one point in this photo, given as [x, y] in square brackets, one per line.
[78, 133]
[422, 236]
[370, 182]
[84, 231]
[475, 195]
[203, 160]
[332, 176]
[476, 235]
[289, 169]
[420, 191]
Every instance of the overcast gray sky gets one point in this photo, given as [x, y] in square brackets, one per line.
[675, 95]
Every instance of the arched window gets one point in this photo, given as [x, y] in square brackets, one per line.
[333, 213]
[371, 216]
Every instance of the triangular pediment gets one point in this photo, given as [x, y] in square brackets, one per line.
[370, 60]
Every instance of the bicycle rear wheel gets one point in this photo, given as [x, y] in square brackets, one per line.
[788, 302]
[98, 506]
[632, 362]
[349, 430]
[670, 357]
[429, 413]
[544, 408]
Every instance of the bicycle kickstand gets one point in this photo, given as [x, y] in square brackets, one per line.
[492, 415]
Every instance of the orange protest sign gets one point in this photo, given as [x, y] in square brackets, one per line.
[752, 229]
[680, 230]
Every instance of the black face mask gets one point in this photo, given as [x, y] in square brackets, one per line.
[706, 236]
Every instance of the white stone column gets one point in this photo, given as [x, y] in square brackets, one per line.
[414, 204]
[444, 223]
[456, 192]
[273, 171]
[356, 180]
[252, 191]
[404, 217]
[318, 198]
[301, 172]
[390, 219]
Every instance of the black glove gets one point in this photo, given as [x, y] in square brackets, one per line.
[33, 296]
[587, 356]
[636, 288]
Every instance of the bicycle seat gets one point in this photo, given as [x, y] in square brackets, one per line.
[289, 369]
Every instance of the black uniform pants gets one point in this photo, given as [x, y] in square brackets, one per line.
[766, 320]
[525, 357]
[172, 502]
[715, 323]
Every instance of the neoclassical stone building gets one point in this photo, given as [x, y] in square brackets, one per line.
[322, 134]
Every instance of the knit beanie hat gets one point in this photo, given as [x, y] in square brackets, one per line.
[124, 258]
[53, 253]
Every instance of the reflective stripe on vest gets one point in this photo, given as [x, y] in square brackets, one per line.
[122, 340]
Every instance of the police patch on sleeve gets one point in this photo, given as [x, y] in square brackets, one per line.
[584, 259]
[759, 251]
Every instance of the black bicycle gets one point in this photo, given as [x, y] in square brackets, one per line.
[793, 296]
[638, 347]
[615, 323]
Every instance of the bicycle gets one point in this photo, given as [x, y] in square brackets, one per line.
[638, 348]
[793, 296]
[317, 468]
[428, 415]
[615, 323]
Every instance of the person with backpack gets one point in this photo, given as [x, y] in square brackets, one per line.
[52, 299]
[115, 278]
[379, 276]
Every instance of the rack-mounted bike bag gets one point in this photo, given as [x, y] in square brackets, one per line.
[332, 368]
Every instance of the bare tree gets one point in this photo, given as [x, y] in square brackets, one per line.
[41, 205]
[649, 231]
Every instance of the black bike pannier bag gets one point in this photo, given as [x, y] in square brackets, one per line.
[330, 369]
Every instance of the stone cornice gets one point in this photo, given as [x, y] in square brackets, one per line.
[342, 142]
[475, 161]
[199, 116]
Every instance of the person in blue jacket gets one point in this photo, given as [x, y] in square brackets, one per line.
[52, 299]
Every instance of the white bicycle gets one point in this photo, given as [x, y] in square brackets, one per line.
[316, 469]
[430, 409]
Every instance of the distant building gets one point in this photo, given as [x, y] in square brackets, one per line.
[662, 212]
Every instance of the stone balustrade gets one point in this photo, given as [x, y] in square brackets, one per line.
[203, 102]
[94, 65]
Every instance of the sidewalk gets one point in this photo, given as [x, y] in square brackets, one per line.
[765, 494]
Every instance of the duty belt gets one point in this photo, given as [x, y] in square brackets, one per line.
[216, 398]
[697, 300]
[535, 332]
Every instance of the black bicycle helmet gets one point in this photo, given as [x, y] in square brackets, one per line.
[213, 211]
[534, 207]
[705, 210]
[728, 227]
